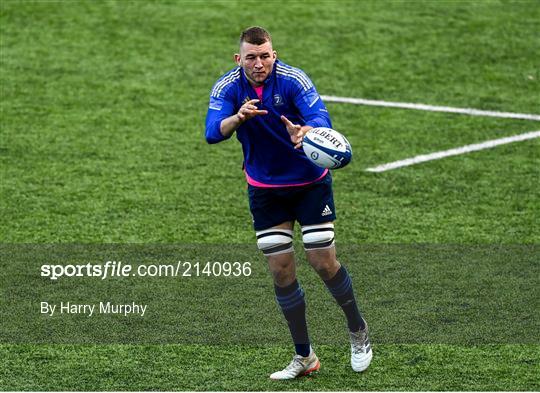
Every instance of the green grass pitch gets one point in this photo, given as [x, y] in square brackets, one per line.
[102, 121]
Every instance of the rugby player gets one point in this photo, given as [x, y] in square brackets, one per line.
[271, 105]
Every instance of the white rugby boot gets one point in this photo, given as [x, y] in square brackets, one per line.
[298, 367]
[361, 352]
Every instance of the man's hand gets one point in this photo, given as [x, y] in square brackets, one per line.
[296, 131]
[249, 110]
[246, 112]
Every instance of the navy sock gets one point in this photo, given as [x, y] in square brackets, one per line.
[293, 306]
[340, 286]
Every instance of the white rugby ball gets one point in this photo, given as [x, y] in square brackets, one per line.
[327, 148]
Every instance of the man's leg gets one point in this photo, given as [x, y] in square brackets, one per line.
[276, 244]
[321, 254]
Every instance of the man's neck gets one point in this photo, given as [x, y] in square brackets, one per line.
[253, 83]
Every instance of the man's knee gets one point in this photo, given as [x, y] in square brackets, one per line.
[324, 262]
[283, 268]
[277, 245]
[319, 245]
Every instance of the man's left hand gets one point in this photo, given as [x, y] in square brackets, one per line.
[296, 131]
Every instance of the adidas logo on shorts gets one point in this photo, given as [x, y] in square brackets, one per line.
[326, 211]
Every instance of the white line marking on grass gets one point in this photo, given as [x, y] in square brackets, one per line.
[431, 108]
[454, 152]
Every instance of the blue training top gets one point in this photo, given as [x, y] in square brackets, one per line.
[269, 155]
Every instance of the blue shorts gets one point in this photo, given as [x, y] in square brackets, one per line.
[309, 205]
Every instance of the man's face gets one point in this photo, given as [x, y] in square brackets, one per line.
[257, 61]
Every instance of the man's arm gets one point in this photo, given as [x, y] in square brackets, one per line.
[309, 105]
[246, 112]
[312, 109]
[221, 124]
[315, 116]
[296, 131]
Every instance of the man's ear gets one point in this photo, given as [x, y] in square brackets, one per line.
[237, 58]
[275, 54]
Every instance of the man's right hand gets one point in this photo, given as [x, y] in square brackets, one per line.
[249, 110]
[246, 112]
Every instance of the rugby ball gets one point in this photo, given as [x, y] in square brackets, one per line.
[327, 148]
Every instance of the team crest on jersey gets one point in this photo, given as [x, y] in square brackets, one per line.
[278, 100]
